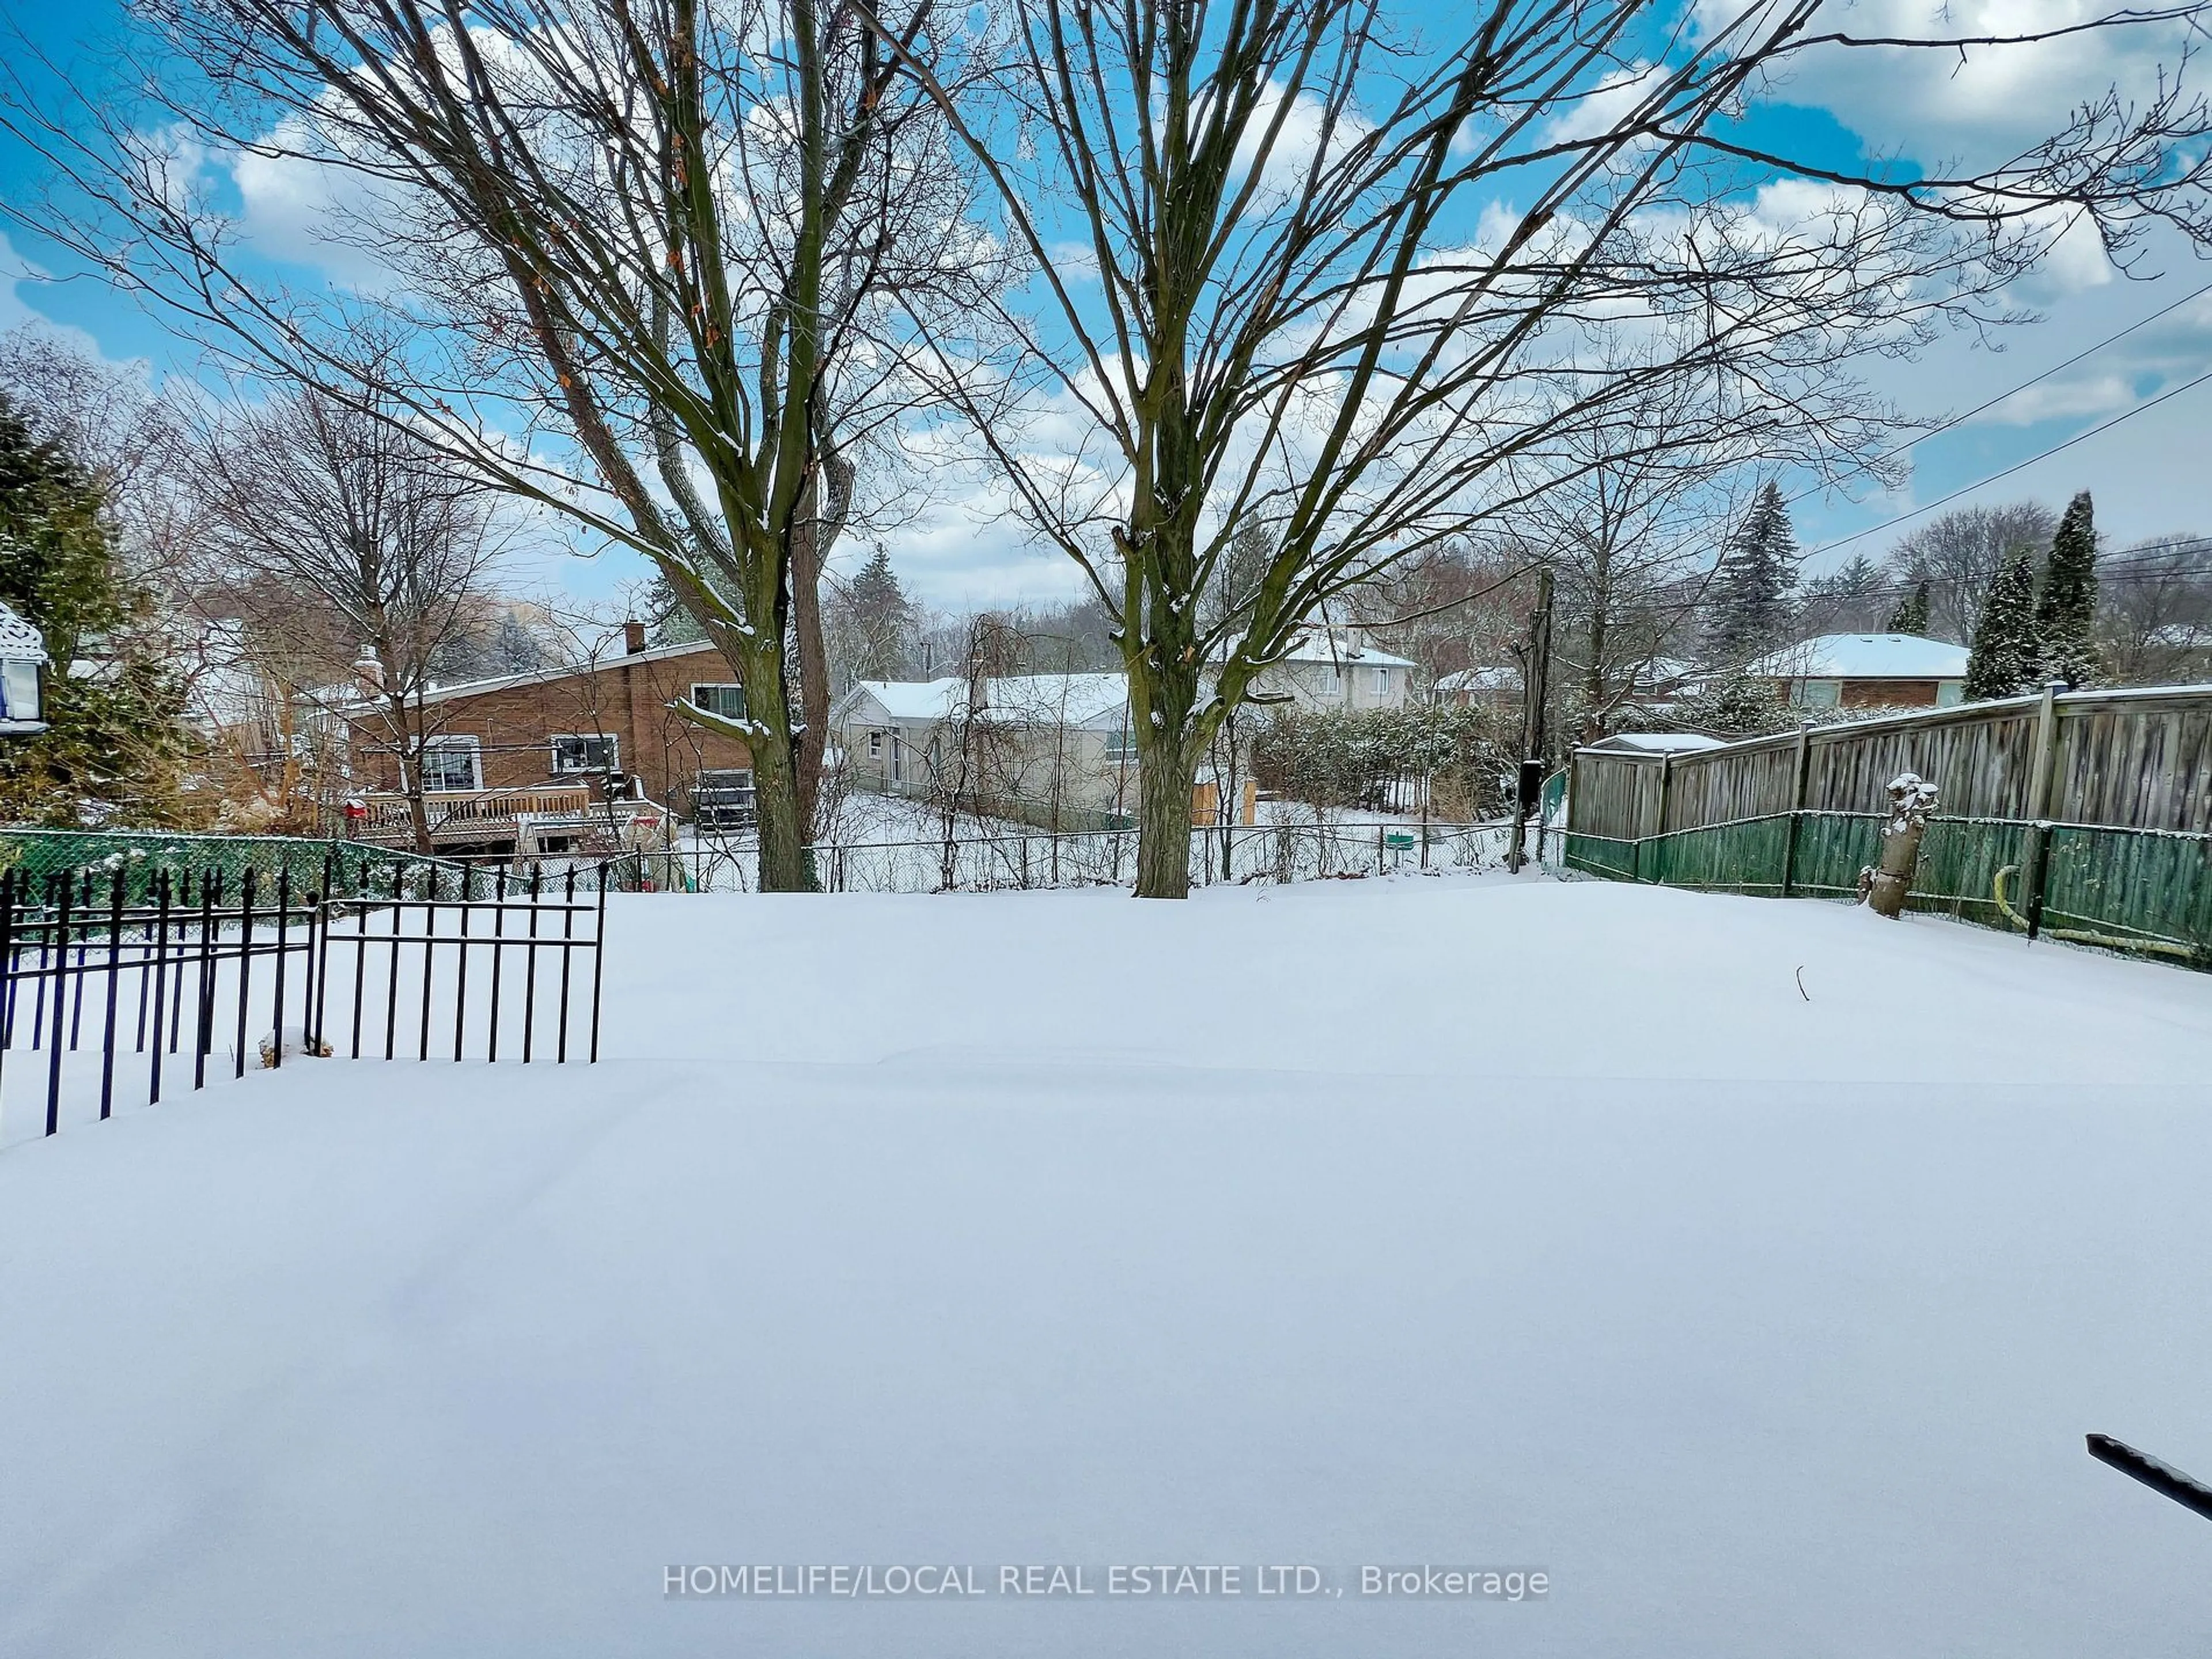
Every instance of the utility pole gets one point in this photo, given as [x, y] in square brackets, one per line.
[1536, 672]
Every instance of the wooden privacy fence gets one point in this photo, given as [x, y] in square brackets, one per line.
[110, 998]
[2086, 815]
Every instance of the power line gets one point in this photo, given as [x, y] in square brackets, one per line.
[2017, 466]
[2013, 392]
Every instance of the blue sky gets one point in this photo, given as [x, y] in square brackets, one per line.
[2145, 472]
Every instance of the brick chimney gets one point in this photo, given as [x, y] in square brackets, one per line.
[632, 636]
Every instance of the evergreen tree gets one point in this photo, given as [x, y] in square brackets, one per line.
[2003, 662]
[666, 620]
[114, 747]
[1758, 569]
[515, 649]
[2066, 610]
[1910, 616]
[871, 624]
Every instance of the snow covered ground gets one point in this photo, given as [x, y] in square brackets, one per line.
[1480, 1222]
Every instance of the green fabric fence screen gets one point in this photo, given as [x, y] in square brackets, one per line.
[2131, 890]
[39, 855]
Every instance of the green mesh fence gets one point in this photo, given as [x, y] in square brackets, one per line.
[2123, 889]
[40, 856]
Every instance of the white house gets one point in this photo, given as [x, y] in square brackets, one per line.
[1326, 669]
[1058, 741]
[22, 657]
[1867, 671]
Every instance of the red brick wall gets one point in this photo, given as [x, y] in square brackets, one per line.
[626, 697]
[1887, 694]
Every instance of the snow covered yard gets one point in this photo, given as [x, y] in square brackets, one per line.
[1434, 1220]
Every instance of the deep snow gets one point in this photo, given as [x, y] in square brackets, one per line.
[1496, 1222]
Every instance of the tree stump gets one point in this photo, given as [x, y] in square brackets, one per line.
[1883, 889]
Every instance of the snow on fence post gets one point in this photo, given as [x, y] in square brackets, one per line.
[1884, 890]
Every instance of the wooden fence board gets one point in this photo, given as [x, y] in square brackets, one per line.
[2122, 760]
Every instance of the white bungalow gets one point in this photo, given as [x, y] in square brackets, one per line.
[1328, 670]
[1062, 738]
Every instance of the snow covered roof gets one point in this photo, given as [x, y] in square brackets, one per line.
[1068, 698]
[719, 668]
[903, 700]
[1072, 699]
[1656, 743]
[1326, 645]
[1864, 657]
[19, 640]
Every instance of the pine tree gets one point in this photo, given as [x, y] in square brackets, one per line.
[666, 621]
[2066, 610]
[1910, 616]
[114, 747]
[2003, 662]
[1758, 569]
[874, 623]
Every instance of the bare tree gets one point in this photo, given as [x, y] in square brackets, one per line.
[1267, 296]
[2154, 613]
[1958, 554]
[637, 262]
[345, 520]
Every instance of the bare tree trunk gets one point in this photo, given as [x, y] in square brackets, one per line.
[782, 831]
[409, 742]
[821, 520]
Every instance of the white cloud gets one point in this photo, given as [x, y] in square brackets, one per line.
[2087, 394]
[15, 270]
[306, 213]
[1604, 106]
[1978, 105]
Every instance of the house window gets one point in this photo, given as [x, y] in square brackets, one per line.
[450, 765]
[1121, 746]
[1330, 685]
[19, 690]
[1820, 694]
[727, 700]
[585, 752]
[1381, 682]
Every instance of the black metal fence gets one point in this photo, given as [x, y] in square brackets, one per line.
[112, 997]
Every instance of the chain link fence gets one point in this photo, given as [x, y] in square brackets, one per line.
[42, 857]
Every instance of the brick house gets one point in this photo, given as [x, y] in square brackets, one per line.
[1866, 671]
[557, 758]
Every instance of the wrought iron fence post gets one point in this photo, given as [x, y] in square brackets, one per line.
[114, 972]
[245, 965]
[598, 960]
[283, 927]
[567, 932]
[58, 925]
[203, 1006]
[530, 966]
[160, 979]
